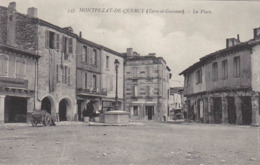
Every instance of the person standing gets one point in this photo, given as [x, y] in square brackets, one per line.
[90, 109]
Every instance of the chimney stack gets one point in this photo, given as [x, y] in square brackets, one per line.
[152, 54]
[32, 12]
[12, 6]
[80, 34]
[129, 52]
[232, 42]
[257, 33]
[238, 38]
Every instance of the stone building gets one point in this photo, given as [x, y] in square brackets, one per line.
[146, 86]
[176, 103]
[224, 86]
[56, 69]
[88, 75]
[109, 79]
[18, 62]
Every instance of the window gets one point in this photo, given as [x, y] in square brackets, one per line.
[94, 57]
[188, 80]
[224, 69]
[66, 75]
[57, 73]
[135, 91]
[199, 76]
[135, 111]
[148, 90]
[3, 65]
[85, 80]
[84, 54]
[20, 68]
[65, 44]
[215, 71]
[70, 45]
[148, 72]
[94, 82]
[237, 66]
[52, 40]
[135, 72]
[107, 62]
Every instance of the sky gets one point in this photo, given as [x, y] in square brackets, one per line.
[181, 39]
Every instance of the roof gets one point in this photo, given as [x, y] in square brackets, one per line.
[213, 55]
[134, 58]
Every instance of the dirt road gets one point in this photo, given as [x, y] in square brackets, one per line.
[152, 143]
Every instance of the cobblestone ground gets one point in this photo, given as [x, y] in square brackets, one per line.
[151, 143]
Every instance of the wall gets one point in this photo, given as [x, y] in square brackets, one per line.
[62, 90]
[244, 80]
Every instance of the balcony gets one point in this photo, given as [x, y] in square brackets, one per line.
[13, 82]
[92, 91]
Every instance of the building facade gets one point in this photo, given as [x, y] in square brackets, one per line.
[223, 87]
[176, 103]
[109, 79]
[18, 62]
[146, 86]
[56, 69]
[88, 75]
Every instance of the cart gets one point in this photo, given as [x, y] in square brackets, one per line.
[41, 116]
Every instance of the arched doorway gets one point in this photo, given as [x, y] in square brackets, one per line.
[46, 105]
[63, 108]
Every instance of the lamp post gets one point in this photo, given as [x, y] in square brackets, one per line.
[116, 97]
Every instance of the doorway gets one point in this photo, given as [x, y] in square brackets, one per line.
[15, 109]
[217, 110]
[46, 105]
[63, 108]
[246, 107]
[149, 112]
[231, 110]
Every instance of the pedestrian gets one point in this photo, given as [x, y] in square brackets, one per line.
[90, 109]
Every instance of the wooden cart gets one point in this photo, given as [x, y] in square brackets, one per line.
[41, 116]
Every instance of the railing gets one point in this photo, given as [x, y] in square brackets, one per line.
[93, 91]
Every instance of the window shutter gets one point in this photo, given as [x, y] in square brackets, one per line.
[89, 80]
[23, 68]
[89, 56]
[57, 73]
[70, 45]
[63, 44]
[47, 39]
[111, 83]
[63, 75]
[83, 80]
[83, 52]
[57, 41]
[68, 75]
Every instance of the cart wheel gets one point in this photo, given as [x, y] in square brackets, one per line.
[34, 123]
[47, 120]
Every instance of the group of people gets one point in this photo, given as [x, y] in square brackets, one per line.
[89, 111]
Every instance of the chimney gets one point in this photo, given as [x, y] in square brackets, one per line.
[257, 33]
[129, 52]
[12, 6]
[80, 34]
[232, 42]
[238, 38]
[152, 54]
[32, 12]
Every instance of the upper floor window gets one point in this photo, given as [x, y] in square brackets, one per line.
[188, 80]
[199, 76]
[66, 75]
[148, 72]
[20, 67]
[237, 66]
[94, 82]
[134, 90]
[224, 69]
[93, 59]
[148, 91]
[215, 71]
[52, 40]
[3, 65]
[135, 72]
[107, 62]
[84, 54]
